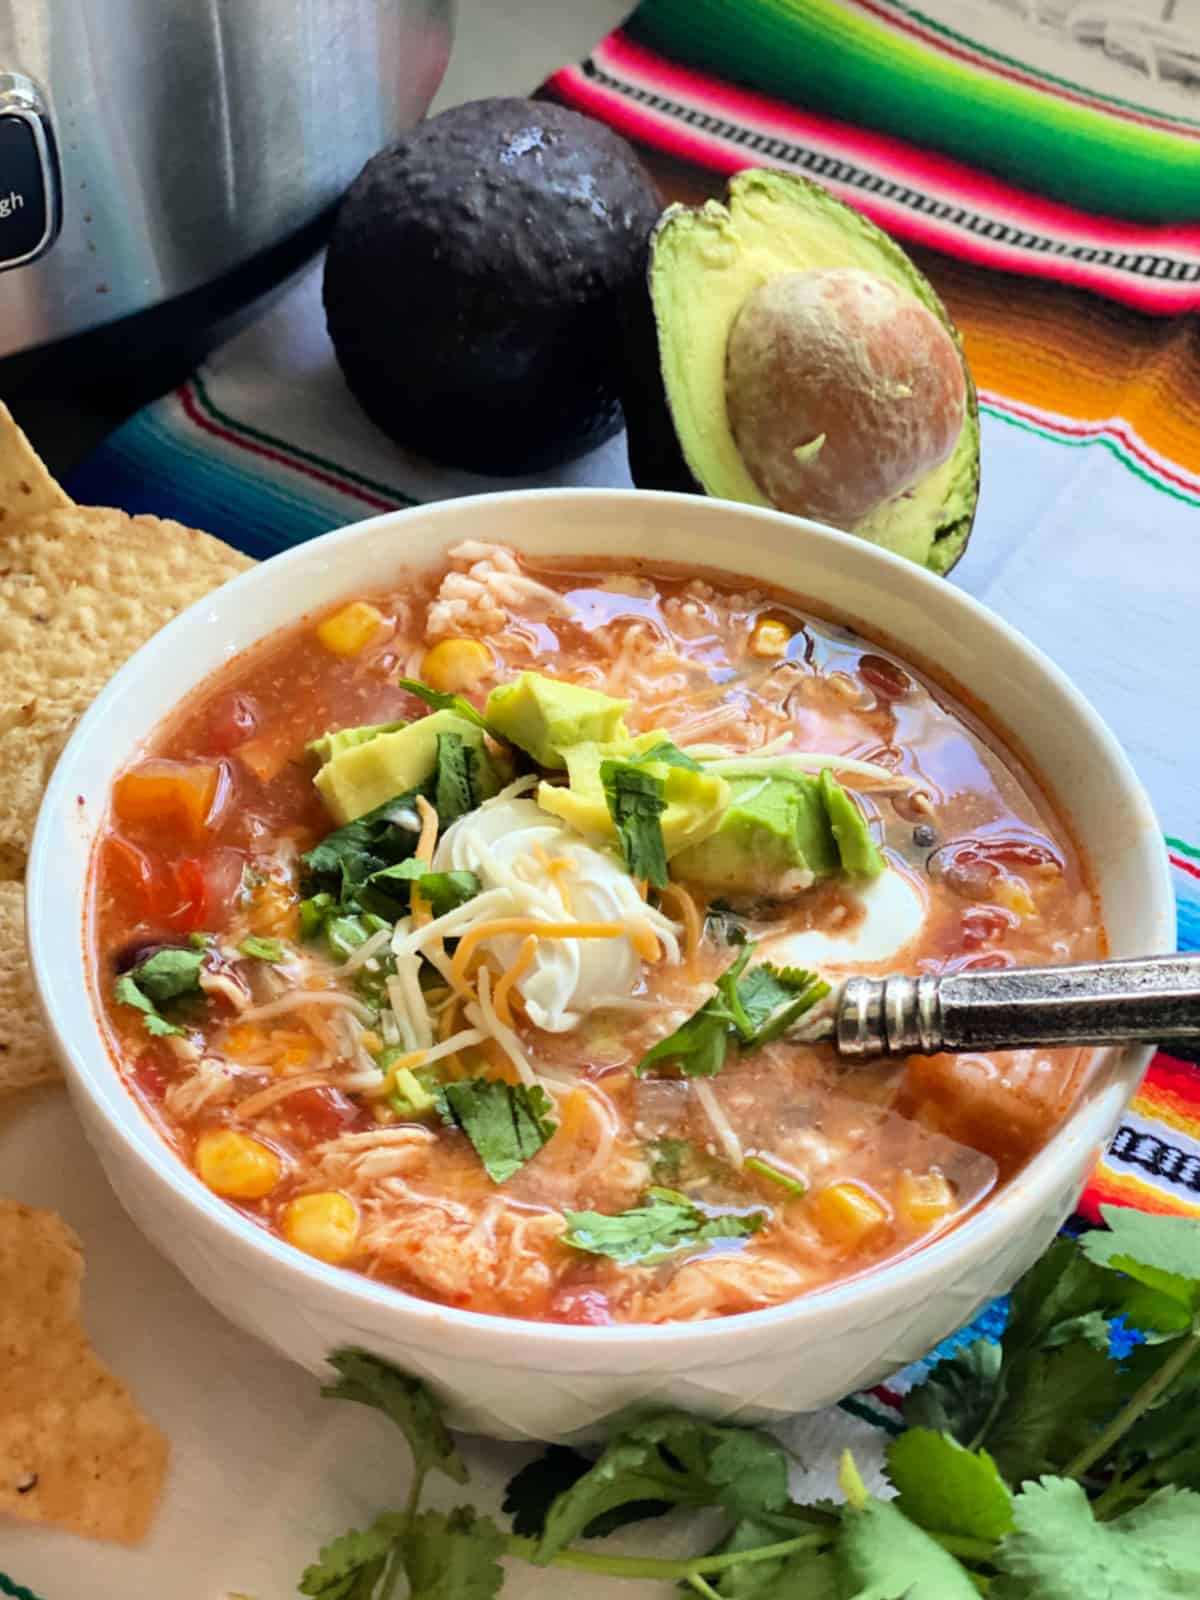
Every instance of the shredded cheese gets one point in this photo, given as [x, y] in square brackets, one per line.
[471, 940]
[689, 914]
[309, 997]
[505, 983]
[254, 1104]
[485, 1018]
[644, 940]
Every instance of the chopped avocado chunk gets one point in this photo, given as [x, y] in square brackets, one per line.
[330, 744]
[859, 852]
[363, 776]
[546, 717]
[792, 355]
[782, 831]
[695, 799]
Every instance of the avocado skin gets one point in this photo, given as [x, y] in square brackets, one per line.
[474, 278]
[656, 458]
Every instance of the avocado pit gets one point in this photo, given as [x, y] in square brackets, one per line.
[842, 390]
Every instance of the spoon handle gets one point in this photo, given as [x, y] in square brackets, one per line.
[1098, 1002]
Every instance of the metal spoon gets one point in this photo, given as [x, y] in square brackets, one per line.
[1149, 999]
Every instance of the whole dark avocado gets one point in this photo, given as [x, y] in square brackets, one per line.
[784, 352]
[474, 280]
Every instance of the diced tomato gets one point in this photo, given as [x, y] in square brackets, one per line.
[191, 907]
[982, 923]
[149, 1075]
[990, 961]
[971, 866]
[170, 794]
[324, 1112]
[580, 1307]
[232, 719]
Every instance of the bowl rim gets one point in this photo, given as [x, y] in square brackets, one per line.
[88, 1060]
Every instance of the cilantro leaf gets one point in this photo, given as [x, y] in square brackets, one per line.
[958, 1396]
[446, 891]
[754, 1009]
[1062, 1297]
[698, 1046]
[344, 862]
[407, 1401]
[507, 1123]
[668, 1223]
[453, 1556]
[167, 979]
[1055, 1402]
[262, 949]
[438, 700]
[636, 802]
[350, 1566]
[946, 1489]
[767, 1001]
[443, 891]
[881, 1555]
[1060, 1552]
[461, 778]
[167, 974]
[532, 1491]
[674, 1459]
[1161, 1252]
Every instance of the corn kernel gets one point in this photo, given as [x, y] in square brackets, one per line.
[770, 638]
[1013, 894]
[456, 664]
[236, 1166]
[351, 629]
[322, 1225]
[846, 1214]
[925, 1197]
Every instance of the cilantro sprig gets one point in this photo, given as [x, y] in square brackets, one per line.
[750, 1008]
[665, 1224]
[167, 975]
[507, 1123]
[1037, 1468]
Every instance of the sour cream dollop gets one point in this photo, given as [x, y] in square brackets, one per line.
[512, 845]
[893, 915]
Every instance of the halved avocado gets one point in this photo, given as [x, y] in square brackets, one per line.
[720, 363]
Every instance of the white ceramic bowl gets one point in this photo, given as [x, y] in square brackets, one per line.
[524, 1379]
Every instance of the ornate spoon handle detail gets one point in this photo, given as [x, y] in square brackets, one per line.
[1098, 1002]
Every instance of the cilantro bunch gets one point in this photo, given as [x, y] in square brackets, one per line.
[1062, 1463]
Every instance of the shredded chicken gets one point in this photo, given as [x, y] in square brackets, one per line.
[485, 590]
[718, 1285]
[457, 1254]
[211, 1084]
[357, 1161]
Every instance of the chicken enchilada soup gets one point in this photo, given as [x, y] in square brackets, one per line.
[476, 934]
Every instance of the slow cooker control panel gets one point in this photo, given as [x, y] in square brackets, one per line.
[29, 178]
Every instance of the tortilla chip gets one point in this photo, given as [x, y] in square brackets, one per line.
[81, 588]
[26, 487]
[75, 1451]
[26, 1054]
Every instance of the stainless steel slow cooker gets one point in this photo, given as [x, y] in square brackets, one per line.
[159, 154]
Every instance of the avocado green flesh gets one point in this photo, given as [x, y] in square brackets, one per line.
[361, 776]
[778, 823]
[545, 717]
[704, 264]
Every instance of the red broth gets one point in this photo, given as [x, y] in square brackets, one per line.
[812, 1173]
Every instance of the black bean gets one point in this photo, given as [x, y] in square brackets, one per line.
[924, 836]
